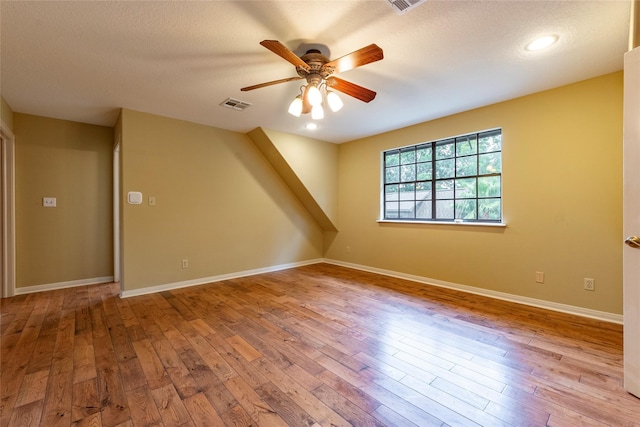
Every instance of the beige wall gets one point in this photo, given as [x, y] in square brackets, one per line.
[219, 204]
[6, 114]
[72, 162]
[315, 162]
[562, 190]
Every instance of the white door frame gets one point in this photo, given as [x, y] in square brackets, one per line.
[116, 214]
[8, 225]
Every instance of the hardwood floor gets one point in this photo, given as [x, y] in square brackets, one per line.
[315, 346]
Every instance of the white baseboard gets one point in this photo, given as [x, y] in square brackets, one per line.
[549, 305]
[62, 285]
[212, 279]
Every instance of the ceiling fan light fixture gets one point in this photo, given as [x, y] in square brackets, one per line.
[317, 112]
[334, 101]
[295, 108]
[314, 96]
[541, 42]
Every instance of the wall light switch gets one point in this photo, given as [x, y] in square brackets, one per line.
[134, 197]
[152, 201]
[49, 202]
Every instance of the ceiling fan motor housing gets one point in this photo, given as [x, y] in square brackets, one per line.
[317, 71]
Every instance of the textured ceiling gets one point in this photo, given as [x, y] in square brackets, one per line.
[83, 61]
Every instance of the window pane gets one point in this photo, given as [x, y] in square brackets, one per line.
[467, 166]
[490, 163]
[444, 209]
[391, 158]
[407, 209]
[408, 172]
[444, 150]
[425, 171]
[391, 192]
[424, 210]
[408, 155]
[489, 209]
[466, 209]
[490, 141]
[466, 145]
[407, 191]
[392, 174]
[424, 153]
[489, 186]
[391, 210]
[465, 188]
[444, 168]
[444, 189]
[423, 191]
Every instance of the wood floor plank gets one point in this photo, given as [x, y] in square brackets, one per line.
[85, 400]
[143, 408]
[33, 388]
[344, 407]
[26, 415]
[202, 412]
[318, 345]
[284, 406]
[151, 365]
[253, 404]
[58, 401]
[171, 408]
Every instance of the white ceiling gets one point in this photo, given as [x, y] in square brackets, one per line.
[82, 61]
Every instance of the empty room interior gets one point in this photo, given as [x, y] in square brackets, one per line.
[320, 213]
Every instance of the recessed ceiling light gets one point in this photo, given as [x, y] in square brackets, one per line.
[311, 126]
[542, 42]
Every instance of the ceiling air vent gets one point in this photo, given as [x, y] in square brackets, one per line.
[402, 6]
[235, 104]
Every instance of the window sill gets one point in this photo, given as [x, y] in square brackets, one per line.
[472, 224]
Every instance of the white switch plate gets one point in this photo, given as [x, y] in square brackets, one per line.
[49, 202]
[134, 197]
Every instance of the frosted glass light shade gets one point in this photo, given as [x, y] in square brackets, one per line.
[314, 96]
[317, 112]
[334, 101]
[295, 108]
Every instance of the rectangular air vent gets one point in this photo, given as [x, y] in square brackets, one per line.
[402, 6]
[235, 104]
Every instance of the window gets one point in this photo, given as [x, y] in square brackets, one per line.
[453, 179]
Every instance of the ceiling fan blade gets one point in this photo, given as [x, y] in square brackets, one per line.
[366, 55]
[351, 89]
[282, 51]
[274, 82]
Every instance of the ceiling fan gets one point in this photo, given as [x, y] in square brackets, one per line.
[319, 71]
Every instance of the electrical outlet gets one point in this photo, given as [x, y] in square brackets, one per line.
[348, 249]
[589, 284]
[185, 263]
[539, 277]
[49, 202]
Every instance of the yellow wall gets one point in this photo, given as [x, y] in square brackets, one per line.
[72, 162]
[315, 163]
[562, 192]
[6, 114]
[219, 204]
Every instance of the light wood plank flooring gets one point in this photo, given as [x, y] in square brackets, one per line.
[319, 345]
